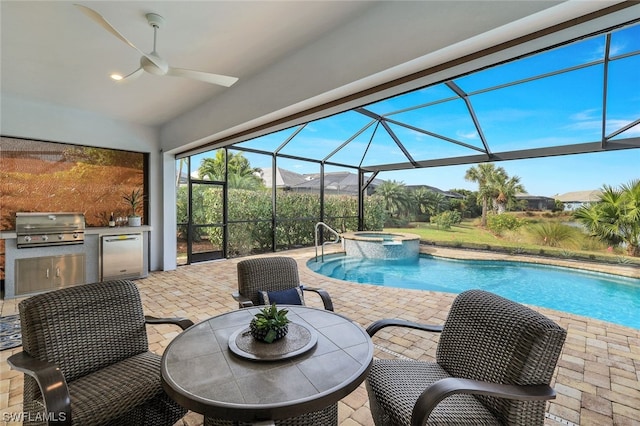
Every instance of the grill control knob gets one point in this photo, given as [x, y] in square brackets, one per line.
[27, 238]
[75, 235]
[60, 237]
[45, 238]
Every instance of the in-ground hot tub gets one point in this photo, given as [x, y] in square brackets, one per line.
[381, 245]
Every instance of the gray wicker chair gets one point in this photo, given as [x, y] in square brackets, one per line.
[86, 358]
[270, 274]
[494, 363]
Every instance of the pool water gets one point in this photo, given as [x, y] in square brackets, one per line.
[596, 295]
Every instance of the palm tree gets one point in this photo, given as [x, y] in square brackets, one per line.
[213, 168]
[394, 197]
[505, 190]
[615, 218]
[240, 170]
[484, 174]
[419, 199]
[436, 203]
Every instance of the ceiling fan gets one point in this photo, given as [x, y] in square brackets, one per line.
[152, 62]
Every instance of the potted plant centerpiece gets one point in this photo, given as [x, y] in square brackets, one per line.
[270, 324]
[134, 199]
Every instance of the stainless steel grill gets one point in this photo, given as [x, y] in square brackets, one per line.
[49, 229]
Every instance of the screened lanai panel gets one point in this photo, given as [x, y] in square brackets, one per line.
[450, 119]
[297, 207]
[417, 98]
[623, 96]
[249, 198]
[320, 138]
[259, 162]
[425, 147]
[556, 110]
[550, 61]
[209, 165]
[625, 40]
[268, 143]
[352, 153]
[340, 199]
[383, 149]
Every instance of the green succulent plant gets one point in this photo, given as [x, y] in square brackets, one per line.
[134, 199]
[270, 324]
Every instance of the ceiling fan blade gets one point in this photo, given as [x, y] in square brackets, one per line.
[137, 73]
[221, 80]
[95, 16]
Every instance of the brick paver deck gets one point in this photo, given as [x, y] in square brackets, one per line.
[597, 379]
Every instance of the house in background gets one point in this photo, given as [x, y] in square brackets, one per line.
[536, 202]
[448, 194]
[577, 199]
[337, 183]
[285, 179]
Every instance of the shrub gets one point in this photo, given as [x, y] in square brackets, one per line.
[499, 223]
[250, 214]
[554, 234]
[446, 219]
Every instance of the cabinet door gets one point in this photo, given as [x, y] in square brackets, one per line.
[68, 270]
[34, 274]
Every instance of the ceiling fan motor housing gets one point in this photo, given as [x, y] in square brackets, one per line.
[155, 20]
[159, 67]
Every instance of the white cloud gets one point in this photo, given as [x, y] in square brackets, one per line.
[467, 135]
[585, 125]
[588, 114]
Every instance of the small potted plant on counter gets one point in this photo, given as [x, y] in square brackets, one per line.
[270, 324]
[134, 199]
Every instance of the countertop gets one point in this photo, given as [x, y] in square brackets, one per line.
[8, 235]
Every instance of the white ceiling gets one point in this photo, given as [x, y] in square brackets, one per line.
[283, 51]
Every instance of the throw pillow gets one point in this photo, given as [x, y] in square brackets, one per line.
[291, 296]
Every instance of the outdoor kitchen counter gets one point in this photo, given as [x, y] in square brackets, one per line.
[90, 249]
[9, 235]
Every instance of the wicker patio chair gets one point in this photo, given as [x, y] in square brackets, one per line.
[86, 358]
[494, 363]
[271, 274]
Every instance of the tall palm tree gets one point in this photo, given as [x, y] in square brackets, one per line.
[615, 218]
[419, 199]
[505, 190]
[213, 168]
[436, 203]
[394, 197]
[484, 174]
[240, 170]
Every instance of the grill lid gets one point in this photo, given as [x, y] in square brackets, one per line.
[49, 229]
[48, 223]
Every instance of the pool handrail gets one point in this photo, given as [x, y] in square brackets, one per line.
[331, 230]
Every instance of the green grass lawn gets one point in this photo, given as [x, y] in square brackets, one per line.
[470, 235]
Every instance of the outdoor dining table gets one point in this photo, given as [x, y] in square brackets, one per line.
[213, 369]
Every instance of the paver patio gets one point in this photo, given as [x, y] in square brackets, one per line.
[597, 378]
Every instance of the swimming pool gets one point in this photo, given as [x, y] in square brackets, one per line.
[596, 295]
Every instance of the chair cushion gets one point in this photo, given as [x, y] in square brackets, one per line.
[395, 385]
[115, 390]
[290, 296]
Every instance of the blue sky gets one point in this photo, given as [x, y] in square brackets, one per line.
[515, 110]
